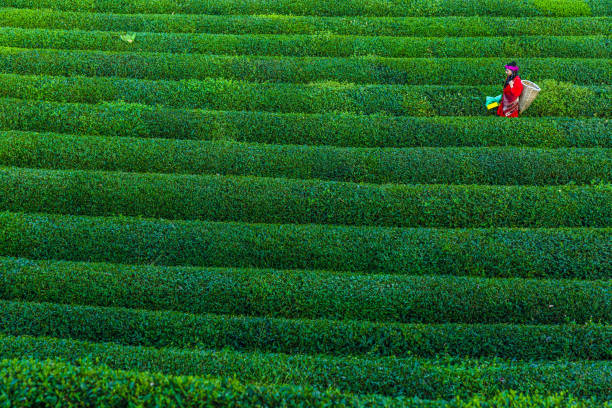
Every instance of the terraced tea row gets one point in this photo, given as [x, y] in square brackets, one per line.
[502, 252]
[481, 26]
[312, 45]
[332, 8]
[338, 129]
[360, 70]
[447, 378]
[462, 165]
[89, 385]
[301, 336]
[274, 200]
[289, 98]
[308, 294]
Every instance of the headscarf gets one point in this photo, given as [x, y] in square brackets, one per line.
[514, 68]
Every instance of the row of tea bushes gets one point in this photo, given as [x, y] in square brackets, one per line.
[300, 336]
[338, 129]
[30, 383]
[419, 8]
[419, 165]
[477, 26]
[501, 252]
[447, 378]
[307, 294]
[87, 385]
[279, 200]
[360, 70]
[320, 45]
[323, 97]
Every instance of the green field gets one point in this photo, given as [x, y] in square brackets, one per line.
[304, 203]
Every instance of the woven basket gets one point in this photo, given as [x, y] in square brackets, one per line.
[530, 92]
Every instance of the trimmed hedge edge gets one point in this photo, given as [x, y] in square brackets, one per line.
[586, 253]
[307, 294]
[335, 129]
[86, 385]
[447, 378]
[421, 165]
[285, 201]
[298, 336]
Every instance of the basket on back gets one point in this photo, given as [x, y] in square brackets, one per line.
[530, 91]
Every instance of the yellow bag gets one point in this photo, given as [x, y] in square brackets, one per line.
[493, 101]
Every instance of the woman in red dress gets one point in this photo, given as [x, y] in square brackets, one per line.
[509, 106]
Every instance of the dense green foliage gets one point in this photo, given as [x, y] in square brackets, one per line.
[564, 98]
[504, 252]
[463, 165]
[447, 378]
[275, 200]
[30, 383]
[307, 294]
[294, 24]
[420, 8]
[323, 45]
[119, 119]
[173, 329]
[42, 384]
[369, 69]
[306, 98]
[304, 203]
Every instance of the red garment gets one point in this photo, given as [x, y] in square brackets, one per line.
[509, 98]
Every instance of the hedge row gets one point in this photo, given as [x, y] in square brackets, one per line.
[291, 336]
[274, 200]
[446, 378]
[463, 165]
[363, 70]
[554, 253]
[120, 119]
[419, 8]
[30, 383]
[598, 8]
[301, 294]
[308, 98]
[321, 45]
[286, 24]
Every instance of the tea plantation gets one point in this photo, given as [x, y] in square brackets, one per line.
[304, 203]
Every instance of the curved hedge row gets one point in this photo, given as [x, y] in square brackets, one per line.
[272, 201]
[463, 165]
[172, 329]
[446, 378]
[29, 382]
[119, 119]
[585, 253]
[302, 294]
[321, 45]
[289, 98]
[419, 8]
[292, 24]
[362, 70]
